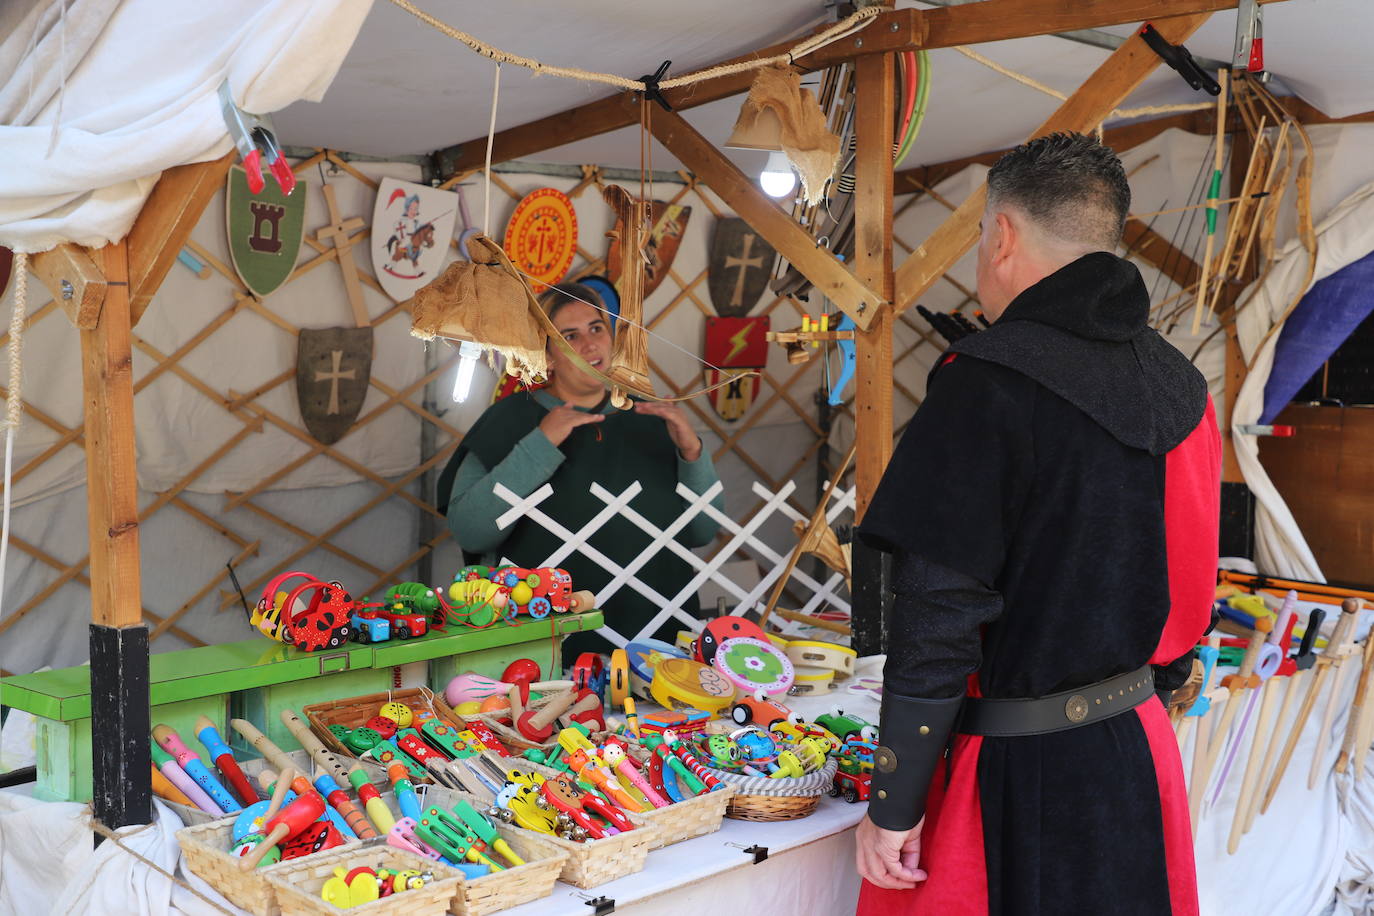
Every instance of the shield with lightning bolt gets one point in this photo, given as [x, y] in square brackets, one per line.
[733, 347]
[739, 266]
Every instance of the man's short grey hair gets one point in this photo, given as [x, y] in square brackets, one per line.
[1069, 185]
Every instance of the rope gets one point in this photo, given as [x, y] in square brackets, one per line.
[1047, 90]
[835, 32]
[491, 136]
[14, 405]
[110, 835]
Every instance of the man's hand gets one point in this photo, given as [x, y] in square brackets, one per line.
[889, 858]
[679, 429]
[563, 419]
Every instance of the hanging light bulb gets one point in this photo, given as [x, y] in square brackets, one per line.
[777, 178]
[468, 354]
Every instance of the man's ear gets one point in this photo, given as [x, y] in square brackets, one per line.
[1008, 238]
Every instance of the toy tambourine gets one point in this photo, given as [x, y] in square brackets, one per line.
[684, 683]
[754, 664]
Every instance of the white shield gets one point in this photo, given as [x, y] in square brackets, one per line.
[411, 229]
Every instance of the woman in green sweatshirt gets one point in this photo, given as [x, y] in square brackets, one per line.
[568, 435]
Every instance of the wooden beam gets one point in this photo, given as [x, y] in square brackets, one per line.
[111, 481]
[873, 131]
[165, 223]
[1155, 249]
[74, 279]
[1109, 85]
[739, 192]
[896, 30]
[1124, 137]
[873, 106]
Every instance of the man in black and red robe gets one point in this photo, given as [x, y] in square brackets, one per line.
[1053, 511]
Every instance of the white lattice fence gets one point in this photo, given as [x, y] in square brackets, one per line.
[741, 541]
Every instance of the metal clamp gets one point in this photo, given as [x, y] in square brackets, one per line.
[600, 905]
[760, 853]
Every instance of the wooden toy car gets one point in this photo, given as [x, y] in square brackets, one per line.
[761, 711]
[369, 626]
[405, 622]
[843, 726]
[854, 787]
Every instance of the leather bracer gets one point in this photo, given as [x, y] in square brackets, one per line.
[913, 732]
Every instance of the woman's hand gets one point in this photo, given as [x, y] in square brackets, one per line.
[563, 419]
[679, 429]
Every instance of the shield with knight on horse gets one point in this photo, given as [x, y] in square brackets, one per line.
[411, 228]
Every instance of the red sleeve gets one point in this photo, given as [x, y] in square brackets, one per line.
[1192, 520]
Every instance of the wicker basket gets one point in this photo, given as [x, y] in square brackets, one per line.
[354, 711]
[298, 885]
[679, 821]
[544, 861]
[588, 864]
[206, 848]
[758, 798]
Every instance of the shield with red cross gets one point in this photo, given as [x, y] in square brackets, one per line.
[734, 346]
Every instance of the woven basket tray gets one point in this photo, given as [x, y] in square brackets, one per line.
[502, 890]
[354, 711]
[680, 821]
[206, 848]
[758, 798]
[298, 886]
[588, 864]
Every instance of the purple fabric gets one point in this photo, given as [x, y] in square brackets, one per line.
[1326, 316]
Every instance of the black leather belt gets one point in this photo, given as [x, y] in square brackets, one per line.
[1058, 711]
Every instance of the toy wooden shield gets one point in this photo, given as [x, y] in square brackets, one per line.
[669, 225]
[739, 266]
[333, 366]
[541, 237]
[411, 228]
[734, 346]
[264, 231]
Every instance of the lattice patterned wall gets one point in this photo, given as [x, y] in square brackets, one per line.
[229, 474]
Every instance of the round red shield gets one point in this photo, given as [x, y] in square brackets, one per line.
[541, 237]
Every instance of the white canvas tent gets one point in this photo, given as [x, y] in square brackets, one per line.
[89, 125]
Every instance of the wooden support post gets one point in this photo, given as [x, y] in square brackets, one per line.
[119, 639]
[873, 346]
[831, 278]
[165, 223]
[74, 279]
[1112, 82]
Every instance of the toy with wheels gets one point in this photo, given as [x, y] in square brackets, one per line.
[473, 599]
[406, 622]
[716, 631]
[324, 622]
[368, 627]
[854, 787]
[757, 709]
[753, 665]
[419, 598]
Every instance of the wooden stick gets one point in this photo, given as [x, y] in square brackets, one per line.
[322, 755]
[1328, 717]
[1222, 76]
[1355, 721]
[817, 517]
[1349, 610]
